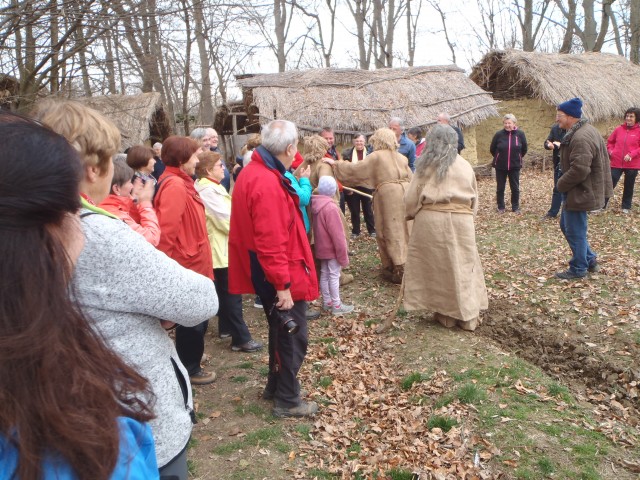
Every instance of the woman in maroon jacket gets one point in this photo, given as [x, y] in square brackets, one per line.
[623, 146]
[184, 238]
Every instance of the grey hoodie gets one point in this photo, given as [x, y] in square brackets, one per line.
[126, 287]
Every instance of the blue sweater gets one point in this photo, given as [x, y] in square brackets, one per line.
[303, 189]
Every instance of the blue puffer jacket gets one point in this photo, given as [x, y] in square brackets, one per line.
[508, 148]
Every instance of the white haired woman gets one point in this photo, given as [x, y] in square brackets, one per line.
[443, 272]
[508, 147]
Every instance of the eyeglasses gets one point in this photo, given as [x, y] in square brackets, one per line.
[560, 115]
[219, 165]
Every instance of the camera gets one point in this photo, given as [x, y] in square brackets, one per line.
[286, 320]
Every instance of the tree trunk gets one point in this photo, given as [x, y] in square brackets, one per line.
[206, 111]
[280, 17]
[634, 27]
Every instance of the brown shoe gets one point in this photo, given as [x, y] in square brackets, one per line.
[202, 378]
[303, 409]
[444, 320]
[469, 326]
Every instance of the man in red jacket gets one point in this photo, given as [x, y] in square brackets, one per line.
[269, 255]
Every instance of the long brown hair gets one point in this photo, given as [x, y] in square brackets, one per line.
[61, 388]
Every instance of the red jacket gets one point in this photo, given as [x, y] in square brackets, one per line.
[268, 245]
[141, 217]
[182, 222]
[625, 141]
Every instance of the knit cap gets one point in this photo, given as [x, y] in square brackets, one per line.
[327, 186]
[572, 107]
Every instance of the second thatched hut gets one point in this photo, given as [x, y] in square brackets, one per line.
[530, 85]
[352, 101]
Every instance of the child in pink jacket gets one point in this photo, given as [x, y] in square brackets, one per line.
[330, 245]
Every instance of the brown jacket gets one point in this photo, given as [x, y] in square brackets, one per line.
[586, 177]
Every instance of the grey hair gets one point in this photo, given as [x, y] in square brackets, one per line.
[118, 157]
[157, 145]
[278, 134]
[441, 151]
[198, 133]
[510, 116]
[444, 116]
[397, 120]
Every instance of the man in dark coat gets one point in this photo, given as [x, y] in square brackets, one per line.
[585, 183]
[553, 143]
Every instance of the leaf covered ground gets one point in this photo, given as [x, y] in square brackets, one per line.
[547, 387]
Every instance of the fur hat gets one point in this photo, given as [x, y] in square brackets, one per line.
[572, 107]
[327, 186]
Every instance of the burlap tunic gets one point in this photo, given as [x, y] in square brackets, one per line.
[388, 173]
[443, 273]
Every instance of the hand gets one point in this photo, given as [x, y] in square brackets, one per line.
[549, 144]
[285, 302]
[557, 144]
[328, 160]
[305, 172]
[627, 158]
[145, 192]
[167, 325]
[236, 167]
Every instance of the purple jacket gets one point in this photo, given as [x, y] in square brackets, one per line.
[328, 230]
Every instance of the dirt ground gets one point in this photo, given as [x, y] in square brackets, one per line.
[582, 338]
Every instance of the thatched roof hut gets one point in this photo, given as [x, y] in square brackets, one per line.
[361, 101]
[531, 84]
[140, 118]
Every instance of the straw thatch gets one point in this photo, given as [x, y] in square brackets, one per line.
[352, 101]
[608, 84]
[140, 118]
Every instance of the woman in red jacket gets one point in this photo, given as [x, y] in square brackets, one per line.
[184, 238]
[623, 146]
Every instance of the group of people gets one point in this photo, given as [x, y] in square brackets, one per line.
[92, 382]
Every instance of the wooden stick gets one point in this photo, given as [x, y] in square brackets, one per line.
[388, 323]
[357, 191]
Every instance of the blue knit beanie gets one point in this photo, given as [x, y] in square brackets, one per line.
[327, 186]
[572, 107]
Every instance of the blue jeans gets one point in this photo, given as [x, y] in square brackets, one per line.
[574, 227]
[556, 198]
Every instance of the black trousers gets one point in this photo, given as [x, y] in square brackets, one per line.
[629, 184]
[286, 353]
[230, 318]
[354, 201]
[514, 185]
[190, 345]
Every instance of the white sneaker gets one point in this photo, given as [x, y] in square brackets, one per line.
[327, 307]
[626, 210]
[342, 309]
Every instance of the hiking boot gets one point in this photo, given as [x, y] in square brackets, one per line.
[469, 326]
[224, 335]
[342, 309]
[303, 409]
[568, 275]
[312, 314]
[373, 235]
[594, 268]
[517, 211]
[626, 210]
[354, 236]
[202, 378]
[249, 347]
[444, 320]
[268, 395]
[257, 302]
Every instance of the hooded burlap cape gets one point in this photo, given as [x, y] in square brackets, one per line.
[443, 273]
[388, 173]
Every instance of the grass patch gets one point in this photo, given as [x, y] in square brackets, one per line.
[263, 371]
[304, 429]
[257, 410]
[324, 382]
[327, 340]
[370, 322]
[354, 449]
[321, 474]
[332, 351]
[246, 365]
[399, 474]
[407, 382]
[471, 393]
[443, 401]
[240, 379]
[191, 466]
[545, 466]
[443, 423]
[270, 437]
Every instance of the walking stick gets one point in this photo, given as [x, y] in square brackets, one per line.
[388, 323]
[357, 191]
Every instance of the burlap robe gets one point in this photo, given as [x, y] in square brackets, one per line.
[443, 273]
[388, 172]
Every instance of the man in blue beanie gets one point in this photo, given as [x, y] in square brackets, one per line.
[584, 184]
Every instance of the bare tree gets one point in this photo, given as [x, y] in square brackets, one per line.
[443, 19]
[525, 11]
[325, 48]
[360, 10]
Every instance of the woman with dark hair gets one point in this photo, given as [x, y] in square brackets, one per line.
[184, 238]
[623, 146]
[71, 408]
[129, 289]
[142, 159]
[443, 271]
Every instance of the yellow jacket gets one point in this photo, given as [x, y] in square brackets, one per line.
[217, 202]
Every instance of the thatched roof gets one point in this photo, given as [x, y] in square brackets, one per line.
[607, 84]
[139, 118]
[351, 101]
